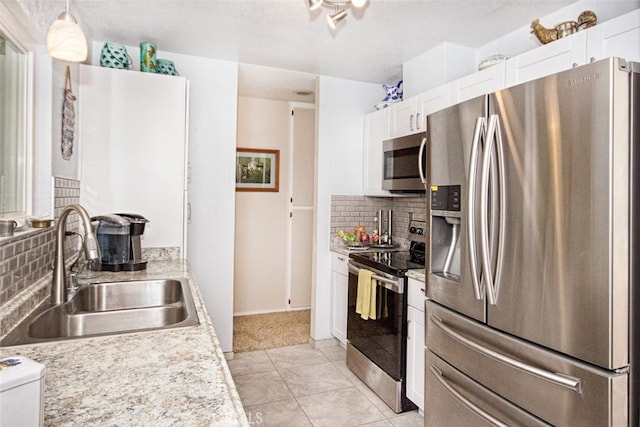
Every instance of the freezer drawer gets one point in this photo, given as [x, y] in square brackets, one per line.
[453, 399]
[555, 388]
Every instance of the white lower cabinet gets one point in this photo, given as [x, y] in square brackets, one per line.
[415, 343]
[339, 295]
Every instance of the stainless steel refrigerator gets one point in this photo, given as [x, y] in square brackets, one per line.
[533, 208]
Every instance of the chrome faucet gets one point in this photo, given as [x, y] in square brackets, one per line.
[90, 245]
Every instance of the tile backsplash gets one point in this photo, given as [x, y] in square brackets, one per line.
[28, 255]
[347, 212]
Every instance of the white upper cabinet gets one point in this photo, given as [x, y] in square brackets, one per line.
[376, 130]
[431, 101]
[553, 57]
[133, 129]
[617, 37]
[404, 120]
[479, 83]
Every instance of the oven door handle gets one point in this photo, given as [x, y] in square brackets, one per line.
[396, 285]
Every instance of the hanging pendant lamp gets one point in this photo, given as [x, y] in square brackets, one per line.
[65, 39]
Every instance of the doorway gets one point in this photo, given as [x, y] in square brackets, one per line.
[274, 230]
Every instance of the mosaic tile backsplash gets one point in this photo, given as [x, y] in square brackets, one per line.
[347, 212]
[28, 255]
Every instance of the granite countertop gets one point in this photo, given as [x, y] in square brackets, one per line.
[336, 245]
[417, 274]
[161, 378]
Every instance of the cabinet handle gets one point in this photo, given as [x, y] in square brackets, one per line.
[411, 122]
[418, 121]
[422, 290]
[408, 329]
[341, 259]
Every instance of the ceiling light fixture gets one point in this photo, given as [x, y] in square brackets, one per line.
[340, 9]
[65, 39]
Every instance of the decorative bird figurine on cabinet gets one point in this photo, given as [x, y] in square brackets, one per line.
[545, 35]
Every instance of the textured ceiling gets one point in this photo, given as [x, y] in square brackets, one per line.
[369, 45]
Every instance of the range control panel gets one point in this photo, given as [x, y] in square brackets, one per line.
[445, 197]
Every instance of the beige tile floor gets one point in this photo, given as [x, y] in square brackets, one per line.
[304, 386]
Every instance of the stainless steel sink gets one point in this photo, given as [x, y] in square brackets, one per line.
[110, 308]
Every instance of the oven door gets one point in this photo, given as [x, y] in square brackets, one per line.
[382, 341]
[404, 163]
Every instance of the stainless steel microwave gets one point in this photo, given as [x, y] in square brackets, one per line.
[404, 164]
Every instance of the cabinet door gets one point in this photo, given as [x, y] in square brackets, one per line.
[480, 83]
[551, 58]
[415, 356]
[416, 295]
[403, 118]
[431, 101]
[617, 37]
[376, 130]
[133, 139]
[339, 295]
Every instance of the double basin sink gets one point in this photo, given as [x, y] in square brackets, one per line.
[110, 308]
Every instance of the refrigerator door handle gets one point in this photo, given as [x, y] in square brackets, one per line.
[463, 400]
[565, 381]
[478, 132]
[484, 224]
[420, 168]
[494, 141]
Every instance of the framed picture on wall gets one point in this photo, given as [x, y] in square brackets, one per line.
[257, 169]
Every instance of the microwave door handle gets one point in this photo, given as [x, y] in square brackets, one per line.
[420, 162]
[471, 208]
[464, 401]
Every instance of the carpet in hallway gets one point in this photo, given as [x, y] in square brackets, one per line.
[270, 330]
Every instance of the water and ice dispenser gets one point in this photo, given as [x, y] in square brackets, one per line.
[445, 231]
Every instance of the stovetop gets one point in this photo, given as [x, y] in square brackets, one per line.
[396, 263]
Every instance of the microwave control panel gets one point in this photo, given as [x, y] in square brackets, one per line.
[445, 197]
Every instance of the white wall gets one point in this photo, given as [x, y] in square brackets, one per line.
[212, 153]
[341, 106]
[212, 150]
[262, 217]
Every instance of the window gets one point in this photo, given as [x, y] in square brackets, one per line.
[15, 125]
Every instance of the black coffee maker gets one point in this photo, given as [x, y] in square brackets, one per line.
[119, 241]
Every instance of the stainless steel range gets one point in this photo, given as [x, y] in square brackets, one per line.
[377, 346]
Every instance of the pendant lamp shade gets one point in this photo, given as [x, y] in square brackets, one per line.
[66, 40]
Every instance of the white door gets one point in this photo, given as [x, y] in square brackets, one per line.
[302, 143]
